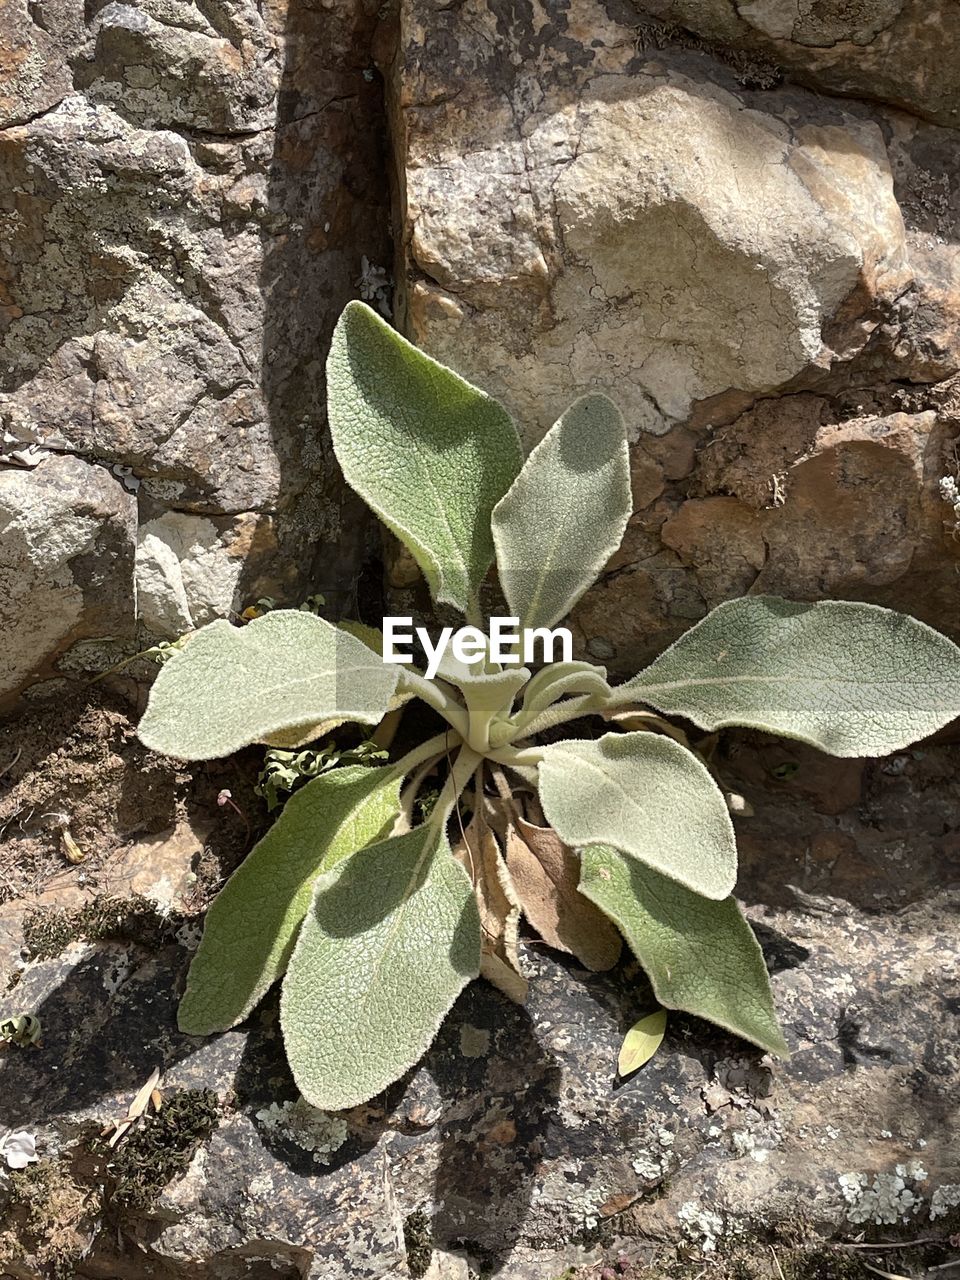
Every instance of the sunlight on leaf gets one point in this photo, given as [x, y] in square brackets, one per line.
[232, 686]
[700, 955]
[565, 513]
[641, 1042]
[428, 452]
[649, 798]
[391, 939]
[252, 925]
[851, 679]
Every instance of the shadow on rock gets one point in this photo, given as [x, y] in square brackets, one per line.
[108, 1019]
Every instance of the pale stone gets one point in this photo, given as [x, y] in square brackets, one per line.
[649, 236]
[186, 574]
[66, 563]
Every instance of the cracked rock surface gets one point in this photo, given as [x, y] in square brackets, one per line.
[186, 194]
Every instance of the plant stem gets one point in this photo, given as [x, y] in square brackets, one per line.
[512, 756]
[474, 612]
[584, 705]
[444, 704]
[433, 747]
[461, 771]
[408, 797]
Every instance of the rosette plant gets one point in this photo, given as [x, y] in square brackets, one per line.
[376, 911]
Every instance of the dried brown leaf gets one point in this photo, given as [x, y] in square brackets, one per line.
[479, 853]
[635, 718]
[142, 1099]
[545, 874]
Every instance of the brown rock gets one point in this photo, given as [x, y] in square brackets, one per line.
[722, 541]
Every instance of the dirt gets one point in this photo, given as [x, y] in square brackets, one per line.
[86, 811]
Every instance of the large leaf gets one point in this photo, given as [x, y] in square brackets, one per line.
[700, 956]
[231, 686]
[565, 513]
[852, 679]
[429, 453]
[253, 923]
[545, 873]
[649, 798]
[391, 939]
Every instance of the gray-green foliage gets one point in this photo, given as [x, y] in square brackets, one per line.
[355, 898]
[851, 679]
[254, 921]
[392, 938]
[573, 490]
[431, 454]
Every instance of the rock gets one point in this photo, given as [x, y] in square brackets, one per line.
[189, 569]
[722, 541]
[33, 74]
[66, 563]
[163, 65]
[133, 372]
[189, 199]
[898, 51]
[867, 486]
[622, 208]
[624, 224]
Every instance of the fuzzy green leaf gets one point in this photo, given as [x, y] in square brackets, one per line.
[252, 925]
[648, 797]
[557, 681]
[390, 941]
[488, 691]
[565, 513]
[428, 452]
[701, 956]
[851, 679]
[231, 686]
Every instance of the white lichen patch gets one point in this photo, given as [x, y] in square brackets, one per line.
[654, 1162]
[887, 1199]
[745, 1144]
[702, 1226]
[944, 1199]
[116, 972]
[563, 1185]
[322, 1133]
[950, 492]
[376, 286]
[189, 935]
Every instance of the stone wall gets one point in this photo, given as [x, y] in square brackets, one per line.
[186, 194]
[741, 221]
[703, 210]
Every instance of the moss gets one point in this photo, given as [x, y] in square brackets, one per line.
[46, 1218]
[822, 1264]
[418, 1242]
[158, 1149]
[48, 931]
